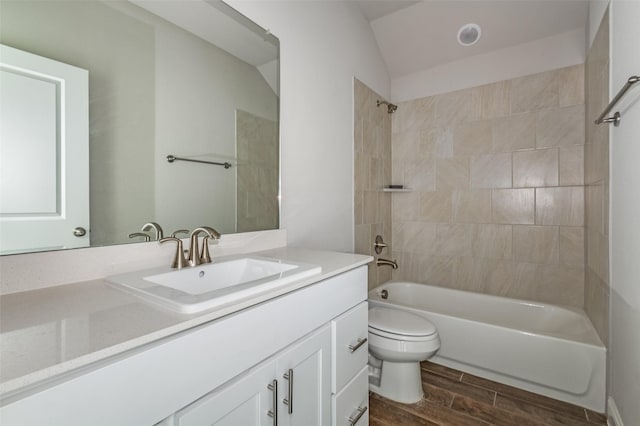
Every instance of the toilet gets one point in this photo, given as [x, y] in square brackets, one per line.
[398, 341]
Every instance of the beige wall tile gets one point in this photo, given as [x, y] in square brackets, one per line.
[525, 280]
[370, 212]
[472, 138]
[435, 206]
[465, 226]
[571, 85]
[536, 244]
[514, 133]
[420, 174]
[376, 174]
[596, 304]
[483, 275]
[495, 99]
[534, 92]
[535, 168]
[595, 207]
[409, 266]
[515, 206]
[437, 270]
[491, 171]
[363, 244]
[560, 206]
[492, 241]
[361, 171]
[560, 127]
[452, 173]
[405, 206]
[358, 207]
[414, 236]
[453, 240]
[560, 284]
[472, 206]
[372, 170]
[413, 115]
[572, 245]
[457, 107]
[571, 165]
[596, 162]
[406, 145]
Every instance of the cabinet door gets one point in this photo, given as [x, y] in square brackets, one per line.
[305, 396]
[245, 402]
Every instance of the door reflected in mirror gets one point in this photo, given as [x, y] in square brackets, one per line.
[194, 79]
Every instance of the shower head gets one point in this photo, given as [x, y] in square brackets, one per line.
[391, 108]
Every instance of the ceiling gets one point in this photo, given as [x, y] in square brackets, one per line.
[417, 35]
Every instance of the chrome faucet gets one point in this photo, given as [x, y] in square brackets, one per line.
[156, 227]
[392, 263]
[195, 258]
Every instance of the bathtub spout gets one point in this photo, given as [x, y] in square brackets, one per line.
[391, 263]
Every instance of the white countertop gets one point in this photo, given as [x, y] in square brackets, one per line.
[48, 332]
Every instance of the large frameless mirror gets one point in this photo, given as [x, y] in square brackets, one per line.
[114, 114]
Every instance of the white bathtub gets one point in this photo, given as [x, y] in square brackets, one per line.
[546, 349]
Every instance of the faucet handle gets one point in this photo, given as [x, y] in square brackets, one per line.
[179, 261]
[146, 237]
[180, 231]
[205, 257]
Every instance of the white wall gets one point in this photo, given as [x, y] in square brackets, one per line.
[546, 54]
[624, 382]
[323, 45]
[597, 8]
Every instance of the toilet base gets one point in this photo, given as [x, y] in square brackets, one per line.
[400, 382]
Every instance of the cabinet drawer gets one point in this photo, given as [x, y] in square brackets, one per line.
[353, 402]
[349, 352]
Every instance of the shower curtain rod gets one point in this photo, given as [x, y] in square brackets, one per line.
[172, 158]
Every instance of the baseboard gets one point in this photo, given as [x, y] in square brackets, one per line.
[613, 415]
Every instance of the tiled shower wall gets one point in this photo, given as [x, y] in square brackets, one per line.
[257, 173]
[372, 171]
[596, 172]
[498, 188]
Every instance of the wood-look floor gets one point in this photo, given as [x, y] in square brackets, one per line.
[454, 398]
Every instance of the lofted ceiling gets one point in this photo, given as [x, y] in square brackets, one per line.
[417, 35]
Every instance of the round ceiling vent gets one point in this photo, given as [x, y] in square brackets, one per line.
[469, 34]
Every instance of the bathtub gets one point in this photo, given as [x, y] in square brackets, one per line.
[546, 349]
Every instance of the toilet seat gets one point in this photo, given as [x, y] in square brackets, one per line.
[400, 325]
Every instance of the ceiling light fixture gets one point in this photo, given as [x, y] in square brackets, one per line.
[469, 34]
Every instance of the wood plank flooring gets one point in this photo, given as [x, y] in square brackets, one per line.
[454, 398]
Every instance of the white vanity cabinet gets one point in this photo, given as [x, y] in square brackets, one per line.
[219, 372]
[350, 391]
[290, 389]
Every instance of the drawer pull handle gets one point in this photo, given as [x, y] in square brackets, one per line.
[288, 401]
[355, 347]
[273, 413]
[359, 413]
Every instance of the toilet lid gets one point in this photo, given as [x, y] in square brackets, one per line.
[400, 322]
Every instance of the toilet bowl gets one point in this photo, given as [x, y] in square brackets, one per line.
[400, 340]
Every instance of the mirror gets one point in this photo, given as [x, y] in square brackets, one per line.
[96, 95]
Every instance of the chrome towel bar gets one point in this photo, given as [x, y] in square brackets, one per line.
[172, 158]
[615, 119]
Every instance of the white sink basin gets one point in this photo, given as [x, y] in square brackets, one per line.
[212, 285]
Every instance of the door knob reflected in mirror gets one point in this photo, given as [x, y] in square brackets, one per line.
[79, 231]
